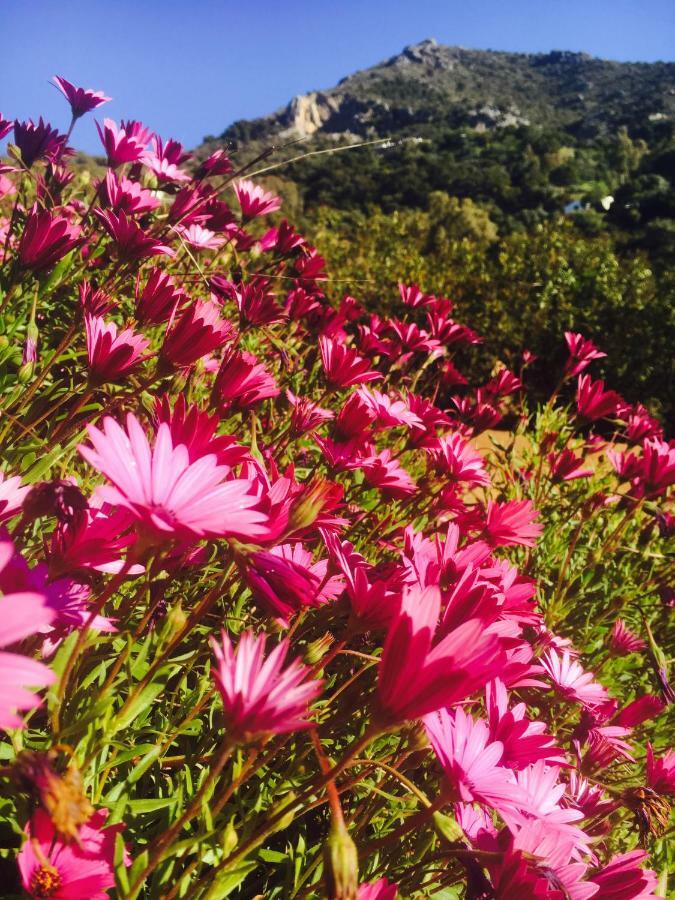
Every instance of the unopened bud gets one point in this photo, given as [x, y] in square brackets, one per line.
[448, 828]
[341, 865]
[308, 506]
[26, 372]
[230, 838]
[172, 623]
[316, 650]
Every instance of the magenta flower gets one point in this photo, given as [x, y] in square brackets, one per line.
[200, 238]
[160, 298]
[5, 127]
[125, 195]
[456, 459]
[97, 539]
[131, 241]
[343, 366]
[165, 159]
[196, 430]
[390, 411]
[81, 100]
[412, 296]
[65, 871]
[169, 496]
[259, 695]
[112, 355]
[46, 239]
[386, 474]
[254, 200]
[218, 163]
[623, 641]
[12, 495]
[582, 353]
[572, 681]
[502, 384]
[242, 381]
[282, 584]
[471, 761]
[197, 331]
[593, 401]
[417, 677]
[523, 740]
[39, 141]
[512, 522]
[567, 466]
[377, 890]
[660, 771]
[648, 706]
[658, 467]
[306, 415]
[623, 878]
[122, 145]
[22, 614]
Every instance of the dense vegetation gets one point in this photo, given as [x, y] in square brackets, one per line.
[300, 600]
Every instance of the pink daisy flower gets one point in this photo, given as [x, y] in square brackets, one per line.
[81, 100]
[259, 695]
[254, 200]
[623, 641]
[50, 867]
[169, 496]
[112, 355]
[471, 761]
[572, 681]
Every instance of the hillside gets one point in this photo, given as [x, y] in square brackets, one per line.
[428, 83]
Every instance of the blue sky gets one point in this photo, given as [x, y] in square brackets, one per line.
[190, 68]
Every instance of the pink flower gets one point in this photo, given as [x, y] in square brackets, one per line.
[623, 641]
[254, 200]
[343, 366]
[125, 195]
[196, 430]
[658, 467]
[95, 540]
[470, 760]
[66, 871]
[639, 710]
[502, 384]
[121, 144]
[81, 100]
[377, 890]
[112, 355]
[218, 163]
[12, 495]
[567, 466]
[624, 879]
[412, 296]
[387, 475]
[94, 302]
[242, 381]
[523, 741]
[165, 159]
[512, 522]
[306, 415]
[416, 678]
[661, 771]
[390, 411]
[582, 353]
[23, 614]
[39, 141]
[200, 238]
[593, 401]
[131, 241]
[542, 796]
[46, 239]
[170, 497]
[5, 127]
[160, 298]
[456, 459]
[572, 681]
[260, 696]
[197, 331]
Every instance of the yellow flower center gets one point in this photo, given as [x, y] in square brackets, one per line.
[45, 882]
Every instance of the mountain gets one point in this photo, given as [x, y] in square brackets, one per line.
[431, 84]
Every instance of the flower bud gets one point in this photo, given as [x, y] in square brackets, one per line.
[316, 650]
[341, 865]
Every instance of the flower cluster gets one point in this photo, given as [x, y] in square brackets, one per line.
[288, 602]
